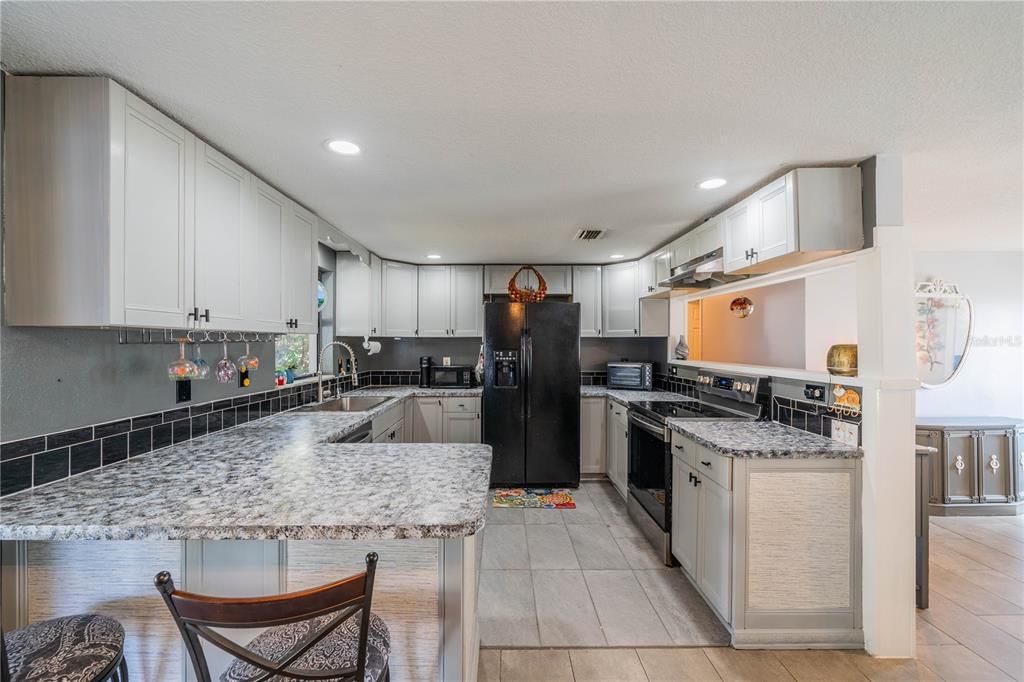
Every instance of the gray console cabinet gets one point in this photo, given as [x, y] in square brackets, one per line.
[977, 466]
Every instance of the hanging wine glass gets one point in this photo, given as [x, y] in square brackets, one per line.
[201, 365]
[182, 369]
[225, 369]
[248, 360]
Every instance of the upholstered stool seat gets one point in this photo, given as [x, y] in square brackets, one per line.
[339, 649]
[81, 648]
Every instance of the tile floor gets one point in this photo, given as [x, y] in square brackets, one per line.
[584, 577]
[972, 631]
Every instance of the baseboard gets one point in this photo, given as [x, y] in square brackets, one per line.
[798, 639]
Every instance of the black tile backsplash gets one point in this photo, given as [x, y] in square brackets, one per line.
[115, 449]
[85, 456]
[811, 417]
[52, 457]
[50, 466]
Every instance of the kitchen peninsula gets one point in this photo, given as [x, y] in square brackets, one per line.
[273, 506]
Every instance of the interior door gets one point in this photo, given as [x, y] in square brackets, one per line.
[552, 366]
[158, 158]
[434, 300]
[222, 194]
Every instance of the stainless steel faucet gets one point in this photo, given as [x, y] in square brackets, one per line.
[320, 368]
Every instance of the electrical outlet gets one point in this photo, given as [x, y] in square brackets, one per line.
[852, 433]
[446, 361]
[674, 370]
[838, 430]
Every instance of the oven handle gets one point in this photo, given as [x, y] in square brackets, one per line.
[648, 426]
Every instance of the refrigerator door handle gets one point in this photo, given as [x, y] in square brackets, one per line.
[523, 375]
[529, 370]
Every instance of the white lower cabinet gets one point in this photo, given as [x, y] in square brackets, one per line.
[714, 553]
[394, 434]
[702, 525]
[684, 516]
[617, 446]
[592, 435]
[444, 420]
[427, 424]
[462, 427]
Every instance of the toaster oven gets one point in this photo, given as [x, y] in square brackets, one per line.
[636, 376]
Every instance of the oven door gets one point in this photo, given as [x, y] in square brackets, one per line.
[650, 468]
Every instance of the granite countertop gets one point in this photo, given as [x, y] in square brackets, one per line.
[762, 440]
[970, 422]
[278, 478]
[625, 397]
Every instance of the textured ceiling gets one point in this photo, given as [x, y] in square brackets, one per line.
[493, 131]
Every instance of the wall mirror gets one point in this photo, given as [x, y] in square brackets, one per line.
[944, 325]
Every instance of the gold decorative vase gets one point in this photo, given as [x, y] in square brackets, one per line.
[842, 360]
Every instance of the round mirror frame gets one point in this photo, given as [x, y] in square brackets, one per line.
[939, 289]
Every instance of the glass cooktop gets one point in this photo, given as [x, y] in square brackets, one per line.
[690, 409]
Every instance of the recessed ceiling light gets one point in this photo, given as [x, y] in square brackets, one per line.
[616, 255]
[343, 147]
[712, 183]
[433, 256]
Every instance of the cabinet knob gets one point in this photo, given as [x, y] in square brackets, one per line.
[994, 463]
[959, 465]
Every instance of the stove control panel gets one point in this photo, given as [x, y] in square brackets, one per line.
[745, 388]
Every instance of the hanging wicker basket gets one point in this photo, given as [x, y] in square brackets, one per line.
[527, 294]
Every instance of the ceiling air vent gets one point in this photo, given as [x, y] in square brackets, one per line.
[588, 235]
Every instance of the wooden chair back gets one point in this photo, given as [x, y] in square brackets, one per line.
[196, 615]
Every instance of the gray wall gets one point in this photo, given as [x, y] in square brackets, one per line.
[594, 353]
[55, 379]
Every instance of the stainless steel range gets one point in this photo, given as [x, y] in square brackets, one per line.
[720, 396]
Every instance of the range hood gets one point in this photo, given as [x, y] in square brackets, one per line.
[702, 272]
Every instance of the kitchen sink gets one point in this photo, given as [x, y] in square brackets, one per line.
[351, 404]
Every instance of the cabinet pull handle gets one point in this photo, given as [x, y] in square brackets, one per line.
[690, 475]
[635, 332]
[994, 463]
[958, 464]
[753, 254]
[206, 314]
[707, 464]
[696, 481]
[374, 330]
[194, 315]
[678, 447]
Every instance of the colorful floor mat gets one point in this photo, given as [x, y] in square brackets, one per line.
[534, 498]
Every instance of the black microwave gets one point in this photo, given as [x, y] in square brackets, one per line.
[453, 376]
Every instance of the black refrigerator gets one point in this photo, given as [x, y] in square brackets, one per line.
[531, 408]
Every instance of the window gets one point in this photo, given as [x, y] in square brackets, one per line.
[292, 352]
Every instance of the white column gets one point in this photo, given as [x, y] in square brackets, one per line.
[885, 324]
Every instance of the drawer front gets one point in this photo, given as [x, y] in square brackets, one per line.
[716, 467]
[462, 404]
[391, 435]
[685, 449]
[387, 419]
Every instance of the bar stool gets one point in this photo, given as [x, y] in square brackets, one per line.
[312, 635]
[81, 648]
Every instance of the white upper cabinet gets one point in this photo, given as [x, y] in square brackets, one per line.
[708, 237]
[451, 300]
[221, 215]
[558, 278]
[586, 290]
[98, 213]
[467, 300]
[806, 215]
[621, 299]
[157, 171]
[434, 300]
[682, 250]
[299, 271]
[654, 268]
[353, 296]
[118, 216]
[738, 235]
[399, 298]
[263, 296]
